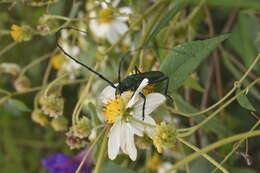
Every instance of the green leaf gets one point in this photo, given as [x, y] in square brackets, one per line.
[167, 18]
[244, 102]
[194, 84]
[109, 167]
[242, 39]
[15, 106]
[179, 66]
[251, 4]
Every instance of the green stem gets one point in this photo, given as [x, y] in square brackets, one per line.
[194, 128]
[187, 167]
[236, 146]
[90, 149]
[53, 83]
[4, 99]
[210, 159]
[145, 36]
[212, 147]
[237, 75]
[84, 93]
[101, 152]
[8, 47]
[37, 61]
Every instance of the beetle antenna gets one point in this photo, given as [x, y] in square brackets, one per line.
[77, 61]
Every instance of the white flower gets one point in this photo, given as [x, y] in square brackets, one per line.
[125, 113]
[108, 27]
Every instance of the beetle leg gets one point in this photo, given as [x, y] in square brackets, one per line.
[137, 71]
[143, 96]
[167, 79]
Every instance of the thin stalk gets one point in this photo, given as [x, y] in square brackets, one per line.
[145, 36]
[90, 149]
[196, 127]
[212, 147]
[35, 62]
[236, 147]
[53, 83]
[187, 168]
[8, 47]
[206, 156]
[2, 100]
[78, 107]
[101, 152]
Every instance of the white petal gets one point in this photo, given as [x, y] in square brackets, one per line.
[149, 130]
[123, 135]
[124, 10]
[112, 35]
[131, 149]
[127, 142]
[114, 140]
[119, 27]
[133, 100]
[107, 94]
[153, 100]
[115, 3]
[138, 130]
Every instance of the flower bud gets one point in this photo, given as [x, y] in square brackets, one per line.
[10, 68]
[59, 124]
[39, 117]
[73, 141]
[21, 33]
[82, 128]
[22, 84]
[52, 105]
[57, 61]
[164, 136]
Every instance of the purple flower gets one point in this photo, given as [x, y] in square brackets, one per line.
[61, 163]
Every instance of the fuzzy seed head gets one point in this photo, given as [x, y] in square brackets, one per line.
[73, 141]
[83, 128]
[52, 105]
[39, 117]
[59, 124]
[164, 136]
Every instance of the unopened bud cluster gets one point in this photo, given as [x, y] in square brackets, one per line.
[39, 117]
[52, 105]
[76, 137]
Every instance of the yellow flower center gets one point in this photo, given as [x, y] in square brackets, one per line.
[117, 107]
[105, 15]
[57, 61]
[17, 32]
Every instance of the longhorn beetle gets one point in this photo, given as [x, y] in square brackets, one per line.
[132, 81]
